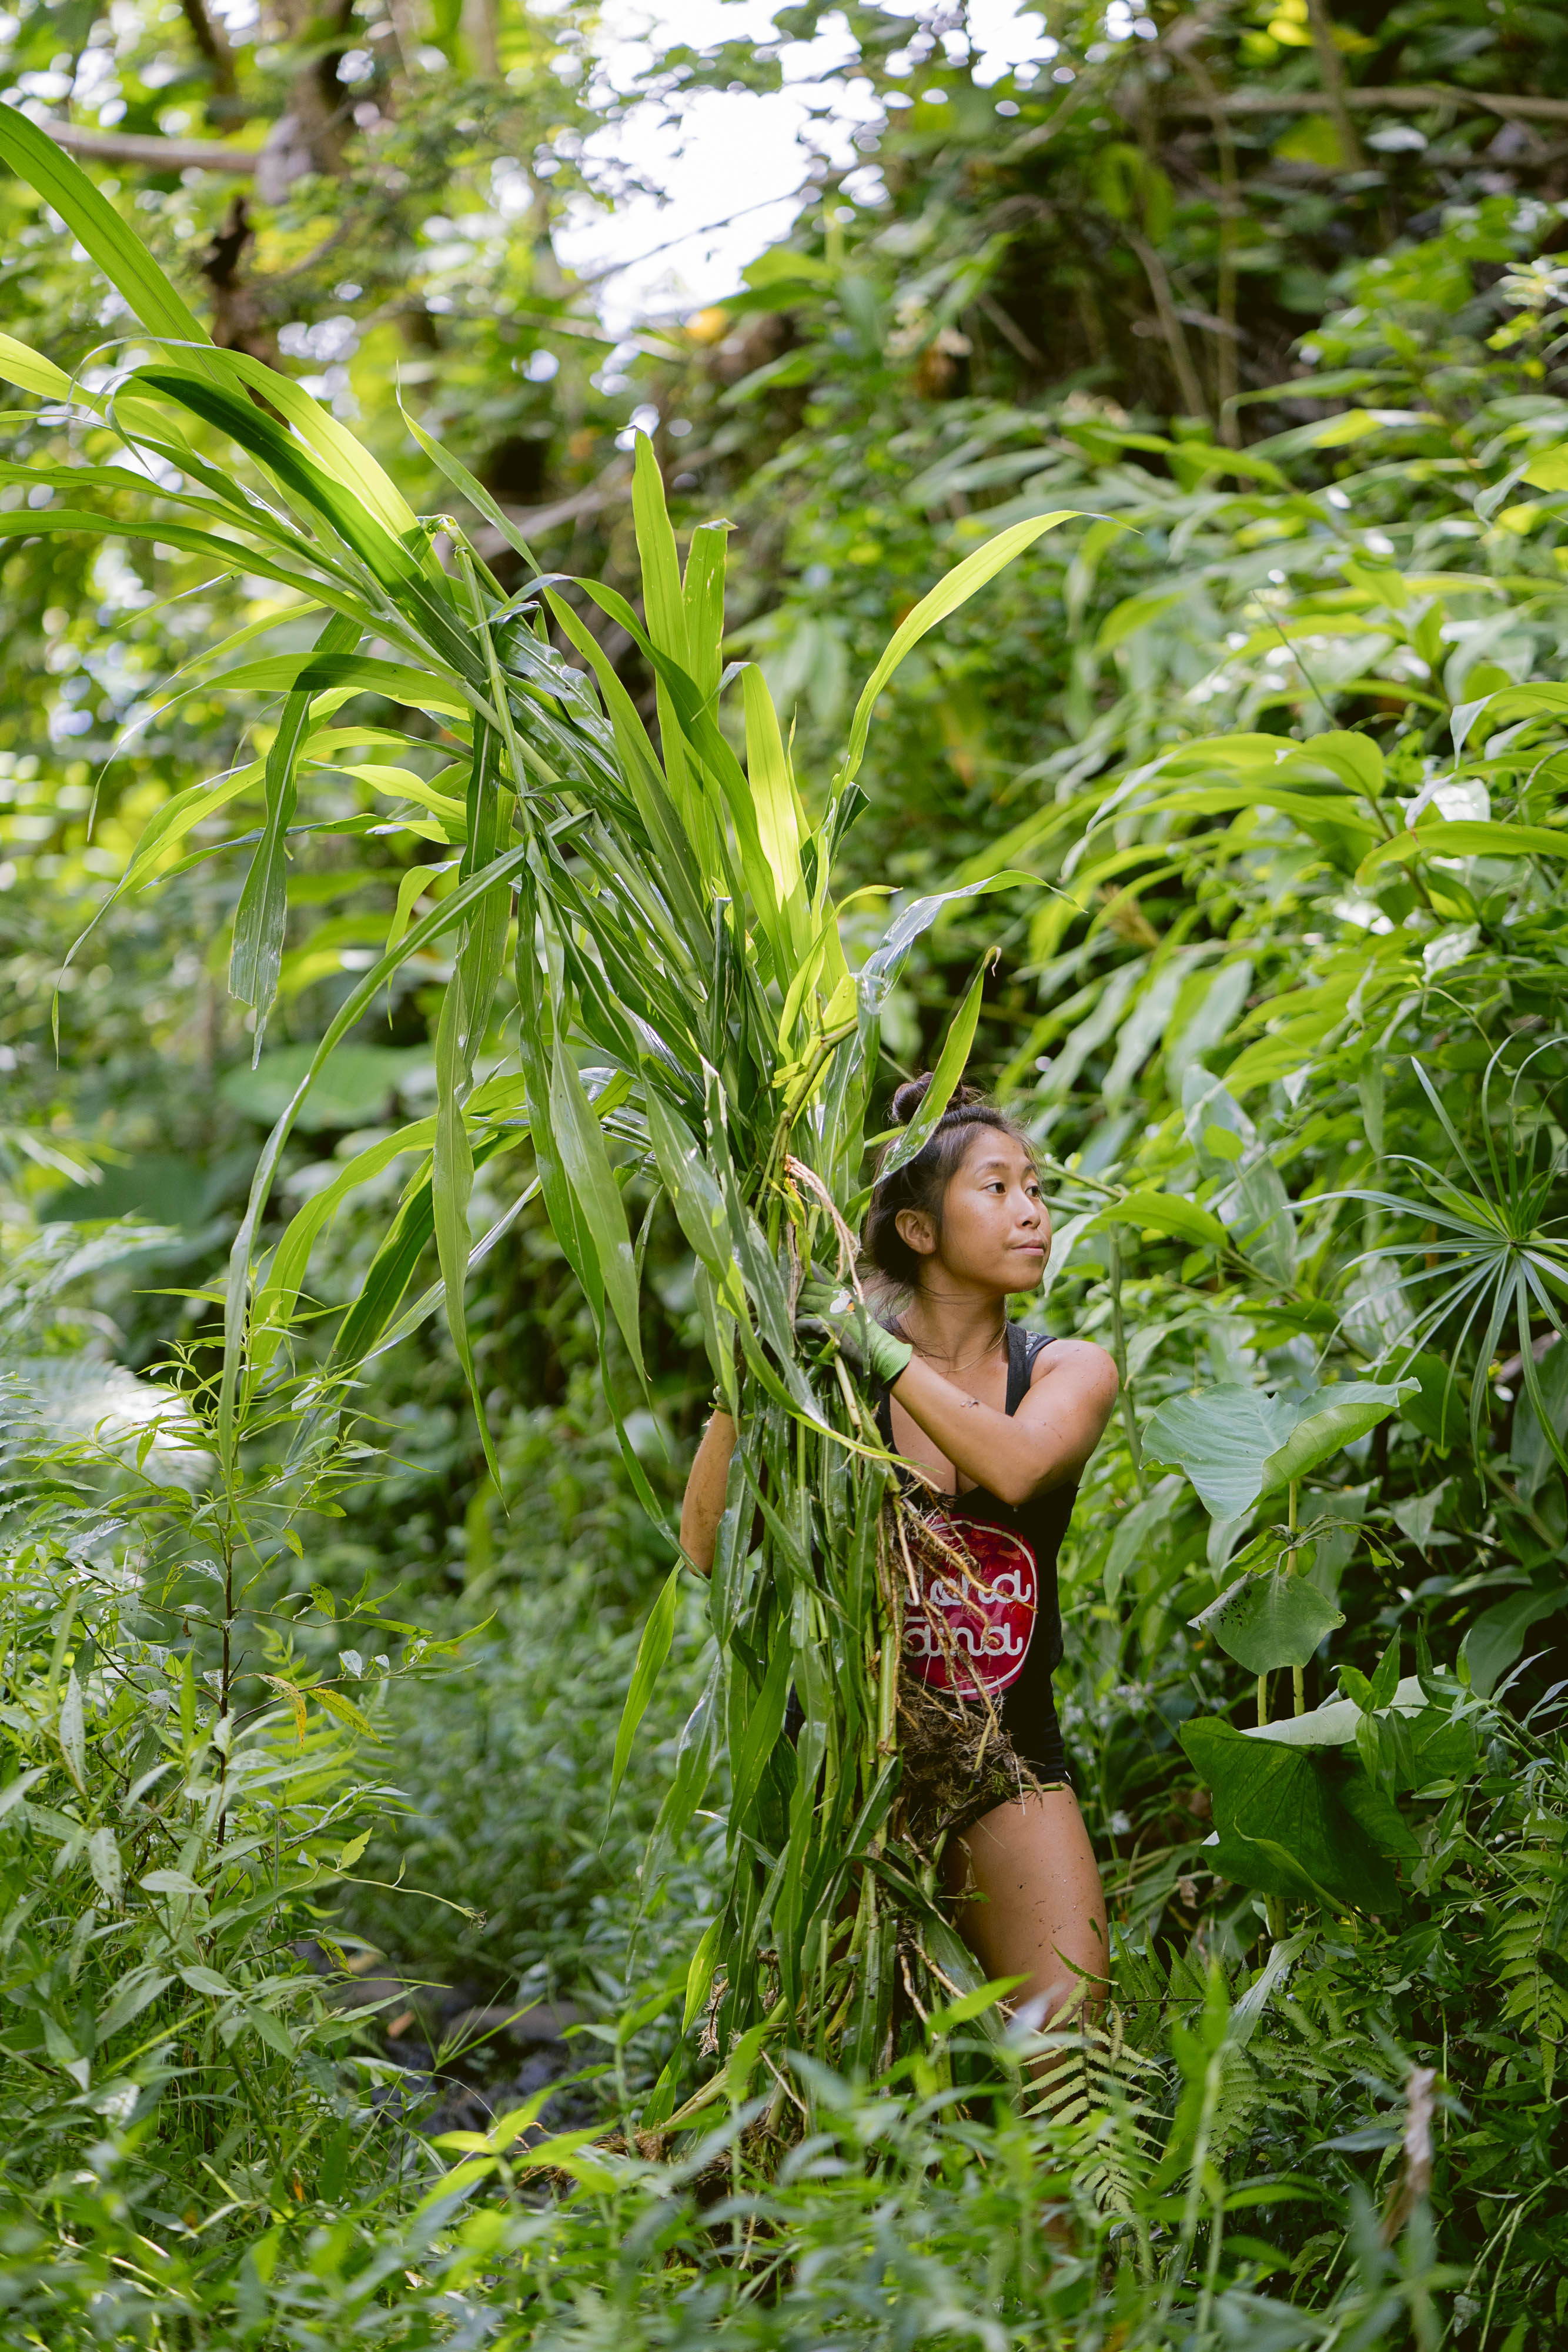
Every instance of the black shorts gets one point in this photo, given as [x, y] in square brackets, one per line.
[1035, 1743]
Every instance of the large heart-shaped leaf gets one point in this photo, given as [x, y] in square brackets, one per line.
[1332, 1418]
[1264, 1621]
[1236, 1443]
[1282, 1823]
[1221, 1438]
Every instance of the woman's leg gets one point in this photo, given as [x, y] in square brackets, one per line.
[1027, 1900]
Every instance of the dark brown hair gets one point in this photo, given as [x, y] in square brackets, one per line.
[922, 1183]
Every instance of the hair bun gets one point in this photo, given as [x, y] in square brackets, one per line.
[909, 1101]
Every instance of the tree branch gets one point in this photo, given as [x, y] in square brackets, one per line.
[1186, 377]
[152, 154]
[1411, 100]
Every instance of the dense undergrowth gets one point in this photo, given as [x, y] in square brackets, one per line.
[1282, 1005]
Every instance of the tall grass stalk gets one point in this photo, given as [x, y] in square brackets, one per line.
[685, 1015]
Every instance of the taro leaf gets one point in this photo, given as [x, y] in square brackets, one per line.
[1437, 1748]
[1221, 1438]
[1332, 1418]
[1282, 1825]
[356, 1088]
[1236, 1443]
[1497, 1635]
[1333, 1724]
[1264, 1621]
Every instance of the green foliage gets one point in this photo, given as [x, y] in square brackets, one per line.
[1276, 745]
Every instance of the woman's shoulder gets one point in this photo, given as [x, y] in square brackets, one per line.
[1077, 1360]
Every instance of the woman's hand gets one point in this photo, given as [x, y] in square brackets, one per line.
[861, 1340]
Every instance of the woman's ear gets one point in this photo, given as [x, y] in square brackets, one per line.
[915, 1230]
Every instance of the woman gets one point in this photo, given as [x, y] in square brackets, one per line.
[997, 1424]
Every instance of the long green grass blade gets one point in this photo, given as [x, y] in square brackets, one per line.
[261, 918]
[597, 1196]
[652, 1651]
[956, 589]
[125, 261]
[951, 1065]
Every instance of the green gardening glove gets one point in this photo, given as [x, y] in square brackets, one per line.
[861, 1340]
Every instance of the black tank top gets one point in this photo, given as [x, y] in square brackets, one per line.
[990, 1617]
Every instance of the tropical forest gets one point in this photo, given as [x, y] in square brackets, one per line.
[501, 782]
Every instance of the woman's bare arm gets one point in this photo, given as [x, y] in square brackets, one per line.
[1045, 1443]
[702, 1505]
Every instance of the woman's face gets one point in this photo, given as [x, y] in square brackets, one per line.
[996, 1230]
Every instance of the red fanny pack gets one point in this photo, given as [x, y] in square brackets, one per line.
[970, 1632]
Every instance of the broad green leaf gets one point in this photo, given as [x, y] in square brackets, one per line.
[702, 595]
[204, 1980]
[1281, 1824]
[168, 1882]
[1531, 1450]
[1334, 1725]
[1237, 1443]
[1164, 1213]
[346, 458]
[663, 600]
[652, 1651]
[286, 458]
[1333, 1417]
[229, 554]
[1464, 837]
[1356, 759]
[1221, 1438]
[945, 599]
[1270, 1621]
[1548, 470]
